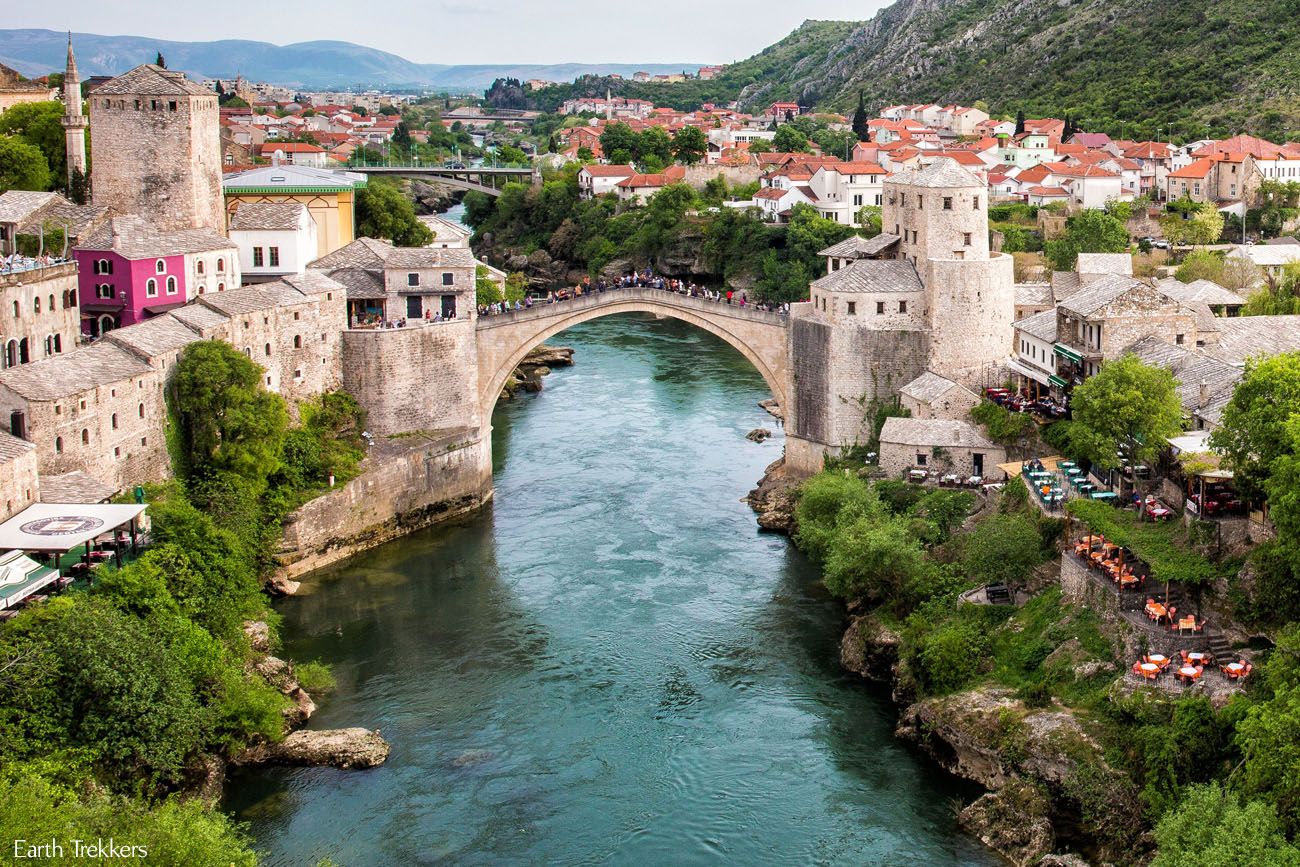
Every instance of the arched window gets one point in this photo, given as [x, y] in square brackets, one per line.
[85, 436]
[103, 266]
[36, 303]
[268, 349]
[171, 285]
[113, 421]
[106, 323]
[297, 341]
[11, 353]
[248, 350]
[16, 313]
[141, 410]
[51, 302]
[58, 445]
[221, 287]
[198, 266]
[221, 267]
[151, 288]
[105, 290]
[49, 344]
[58, 343]
[24, 352]
[160, 266]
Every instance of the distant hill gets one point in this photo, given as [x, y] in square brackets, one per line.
[303, 64]
[1122, 66]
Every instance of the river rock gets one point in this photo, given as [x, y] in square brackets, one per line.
[870, 649]
[1066, 860]
[758, 434]
[774, 499]
[339, 748]
[549, 356]
[773, 408]
[1012, 822]
[259, 635]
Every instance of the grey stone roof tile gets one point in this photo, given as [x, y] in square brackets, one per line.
[872, 275]
[267, 216]
[930, 432]
[150, 80]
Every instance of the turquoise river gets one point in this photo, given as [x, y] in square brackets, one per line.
[608, 665]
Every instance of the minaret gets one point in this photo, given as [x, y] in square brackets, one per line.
[74, 121]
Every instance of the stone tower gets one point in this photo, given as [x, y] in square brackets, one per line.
[940, 215]
[156, 149]
[74, 121]
[924, 294]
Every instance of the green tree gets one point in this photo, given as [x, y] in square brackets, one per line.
[1200, 265]
[383, 212]
[789, 140]
[1003, 549]
[40, 124]
[654, 142]
[1213, 828]
[860, 127]
[486, 290]
[690, 145]
[619, 143]
[869, 218]
[1089, 231]
[1127, 411]
[22, 167]
[402, 136]
[1020, 122]
[512, 155]
[870, 557]
[1192, 223]
[226, 420]
[1257, 429]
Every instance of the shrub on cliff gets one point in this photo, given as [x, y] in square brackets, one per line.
[1213, 827]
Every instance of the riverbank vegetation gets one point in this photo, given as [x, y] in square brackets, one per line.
[1195, 773]
[114, 697]
[681, 232]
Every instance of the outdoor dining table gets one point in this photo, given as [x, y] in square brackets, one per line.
[1149, 667]
[1073, 471]
[1156, 610]
[1235, 667]
[1157, 658]
[1186, 623]
[1189, 671]
[1066, 465]
[1128, 578]
[1196, 657]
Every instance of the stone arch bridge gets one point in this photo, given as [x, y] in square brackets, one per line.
[503, 340]
[482, 179]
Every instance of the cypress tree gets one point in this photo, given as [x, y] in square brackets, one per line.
[1020, 122]
[860, 127]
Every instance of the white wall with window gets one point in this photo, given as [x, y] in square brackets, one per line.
[267, 254]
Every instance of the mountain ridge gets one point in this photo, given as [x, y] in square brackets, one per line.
[311, 65]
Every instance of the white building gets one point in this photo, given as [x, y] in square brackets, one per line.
[597, 180]
[275, 239]
[1034, 358]
[445, 232]
[844, 188]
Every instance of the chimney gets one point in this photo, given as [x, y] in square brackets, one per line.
[1204, 396]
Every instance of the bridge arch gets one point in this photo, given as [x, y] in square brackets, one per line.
[504, 340]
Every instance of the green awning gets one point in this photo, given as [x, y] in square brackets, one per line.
[1057, 381]
[1067, 352]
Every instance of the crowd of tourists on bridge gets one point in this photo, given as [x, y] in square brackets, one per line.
[634, 280]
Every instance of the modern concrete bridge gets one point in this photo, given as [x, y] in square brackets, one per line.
[481, 179]
[504, 339]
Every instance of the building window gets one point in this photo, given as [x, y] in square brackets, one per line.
[36, 303]
[297, 341]
[199, 266]
[296, 315]
[171, 105]
[965, 238]
[221, 266]
[141, 410]
[902, 306]
[976, 203]
[1178, 338]
[852, 308]
[920, 459]
[113, 421]
[273, 253]
[447, 277]
[16, 314]
[221, 287]
[947, 203]
[920, 201]
[144, 441]
[880, 308]
[85, 436]
[160, 267]
[151, 288]
[171, 285]
[58, 445]
[413, 279]
[117, 452]
[268, 349]
[103, 266]
[257, 257]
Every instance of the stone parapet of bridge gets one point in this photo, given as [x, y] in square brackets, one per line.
[504, 339]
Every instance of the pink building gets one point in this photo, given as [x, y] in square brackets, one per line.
[130, 270]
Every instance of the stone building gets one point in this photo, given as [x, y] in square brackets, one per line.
[101, 410]
[47, 222]
[927, 294]
[939, 446]
[132, 269]
[15, 90]
[156, 149]
[388, 284]
[20, 484]
[933, 396]
[39, 317]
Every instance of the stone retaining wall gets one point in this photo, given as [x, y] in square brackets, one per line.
[413, 482]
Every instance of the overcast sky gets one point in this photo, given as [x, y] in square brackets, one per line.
[467, 31]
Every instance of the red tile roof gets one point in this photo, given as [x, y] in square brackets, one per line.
[1198, 170]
